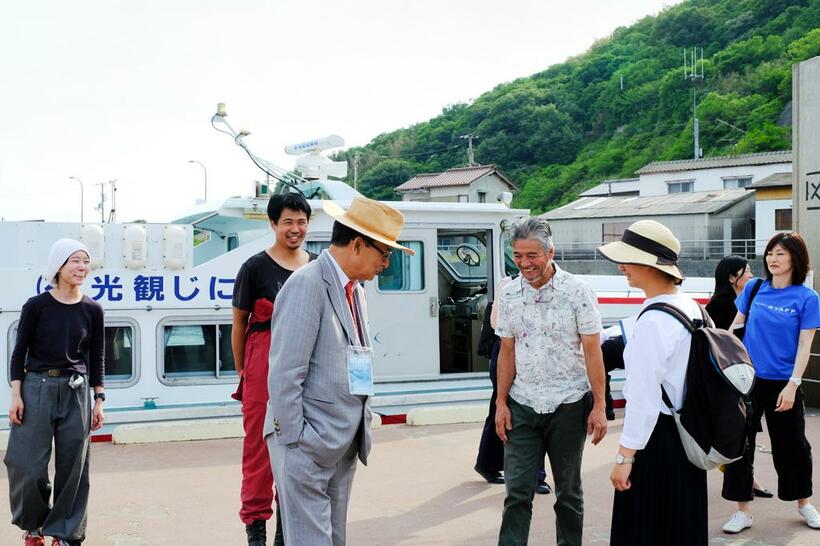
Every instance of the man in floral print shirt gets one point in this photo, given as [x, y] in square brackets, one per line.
[550, 383]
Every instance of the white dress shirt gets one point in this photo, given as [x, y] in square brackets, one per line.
[657, 353]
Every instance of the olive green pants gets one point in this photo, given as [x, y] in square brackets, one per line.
[561, 436]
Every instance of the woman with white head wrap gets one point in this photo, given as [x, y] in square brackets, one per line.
[58, 355]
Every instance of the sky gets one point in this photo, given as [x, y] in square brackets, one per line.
[124, 90]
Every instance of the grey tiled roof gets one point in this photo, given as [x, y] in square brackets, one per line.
[704, 202]
[613, 187]
[461, 176]
[765, 158]
[773, 181]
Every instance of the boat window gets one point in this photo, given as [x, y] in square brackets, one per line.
[316, 247]
[510, 269]
[464, 257]
[201, 350]
[119, 353]
[405, 273]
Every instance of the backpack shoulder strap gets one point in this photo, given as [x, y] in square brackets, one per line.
[755, 290]
[675, 312]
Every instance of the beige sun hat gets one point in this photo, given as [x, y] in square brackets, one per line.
[646, 242]
[375, 219]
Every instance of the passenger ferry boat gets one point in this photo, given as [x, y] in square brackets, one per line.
[166, 290]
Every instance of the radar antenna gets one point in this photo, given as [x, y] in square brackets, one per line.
[284, 177]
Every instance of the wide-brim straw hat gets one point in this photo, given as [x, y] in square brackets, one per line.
[646, 242]
[374, 219]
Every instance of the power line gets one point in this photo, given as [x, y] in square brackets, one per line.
[420, 153]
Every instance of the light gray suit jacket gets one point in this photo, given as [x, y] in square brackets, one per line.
[309, 399]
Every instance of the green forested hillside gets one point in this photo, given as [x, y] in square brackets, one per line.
[565, 129]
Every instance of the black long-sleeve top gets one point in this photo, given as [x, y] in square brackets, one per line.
[55, 335]
[722, 310]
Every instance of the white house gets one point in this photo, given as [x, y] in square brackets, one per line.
[711, 173]
[476, 184]
[773, 206]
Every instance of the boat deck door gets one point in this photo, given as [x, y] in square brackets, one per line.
[465, 269]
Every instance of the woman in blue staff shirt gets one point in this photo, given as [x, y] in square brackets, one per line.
[780, 326]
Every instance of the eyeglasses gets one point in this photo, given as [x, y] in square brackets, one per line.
[385, 253]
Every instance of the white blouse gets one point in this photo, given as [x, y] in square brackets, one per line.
[656, 353]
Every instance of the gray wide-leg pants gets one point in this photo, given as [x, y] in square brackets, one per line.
[52, 411]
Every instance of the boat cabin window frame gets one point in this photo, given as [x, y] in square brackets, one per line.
[110, 322]
[418, 247]
[202, 378]
[415, 244]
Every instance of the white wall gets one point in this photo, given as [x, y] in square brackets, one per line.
[764, 220]
[707, 179]
[805, 135]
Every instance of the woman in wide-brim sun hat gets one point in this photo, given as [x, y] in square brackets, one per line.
[660, 497]
[648, 243]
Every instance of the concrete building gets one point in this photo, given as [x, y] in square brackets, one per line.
[709, 224]
[704, 201]
[476, 184]
[711, 173]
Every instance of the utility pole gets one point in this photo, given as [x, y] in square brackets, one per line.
[470, 157]
[690, 72]
[101, 205]
[112, 216]
[356, 157]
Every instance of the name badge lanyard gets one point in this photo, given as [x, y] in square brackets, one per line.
[359, 356]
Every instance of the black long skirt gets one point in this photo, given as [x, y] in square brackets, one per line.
[667, 502]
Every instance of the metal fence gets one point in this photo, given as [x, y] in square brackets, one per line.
[711, 249]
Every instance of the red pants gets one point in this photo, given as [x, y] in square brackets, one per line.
[257, 478]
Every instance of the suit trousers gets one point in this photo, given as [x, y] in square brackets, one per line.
[53, 411]
[313, 498]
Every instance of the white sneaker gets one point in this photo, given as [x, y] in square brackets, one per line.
[811, 516]
[740, 520]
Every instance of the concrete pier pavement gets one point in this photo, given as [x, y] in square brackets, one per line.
[419, 489]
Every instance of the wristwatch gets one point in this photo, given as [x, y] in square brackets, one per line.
[621, 459]
[796, 380]
[99, 396]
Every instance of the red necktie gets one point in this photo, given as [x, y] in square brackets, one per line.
[349, 287]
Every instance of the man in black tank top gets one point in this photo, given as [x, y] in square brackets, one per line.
[258, 282]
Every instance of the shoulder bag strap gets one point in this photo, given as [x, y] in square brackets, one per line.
[755, 290]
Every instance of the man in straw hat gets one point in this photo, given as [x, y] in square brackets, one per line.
[321, 373]
[550, 383]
